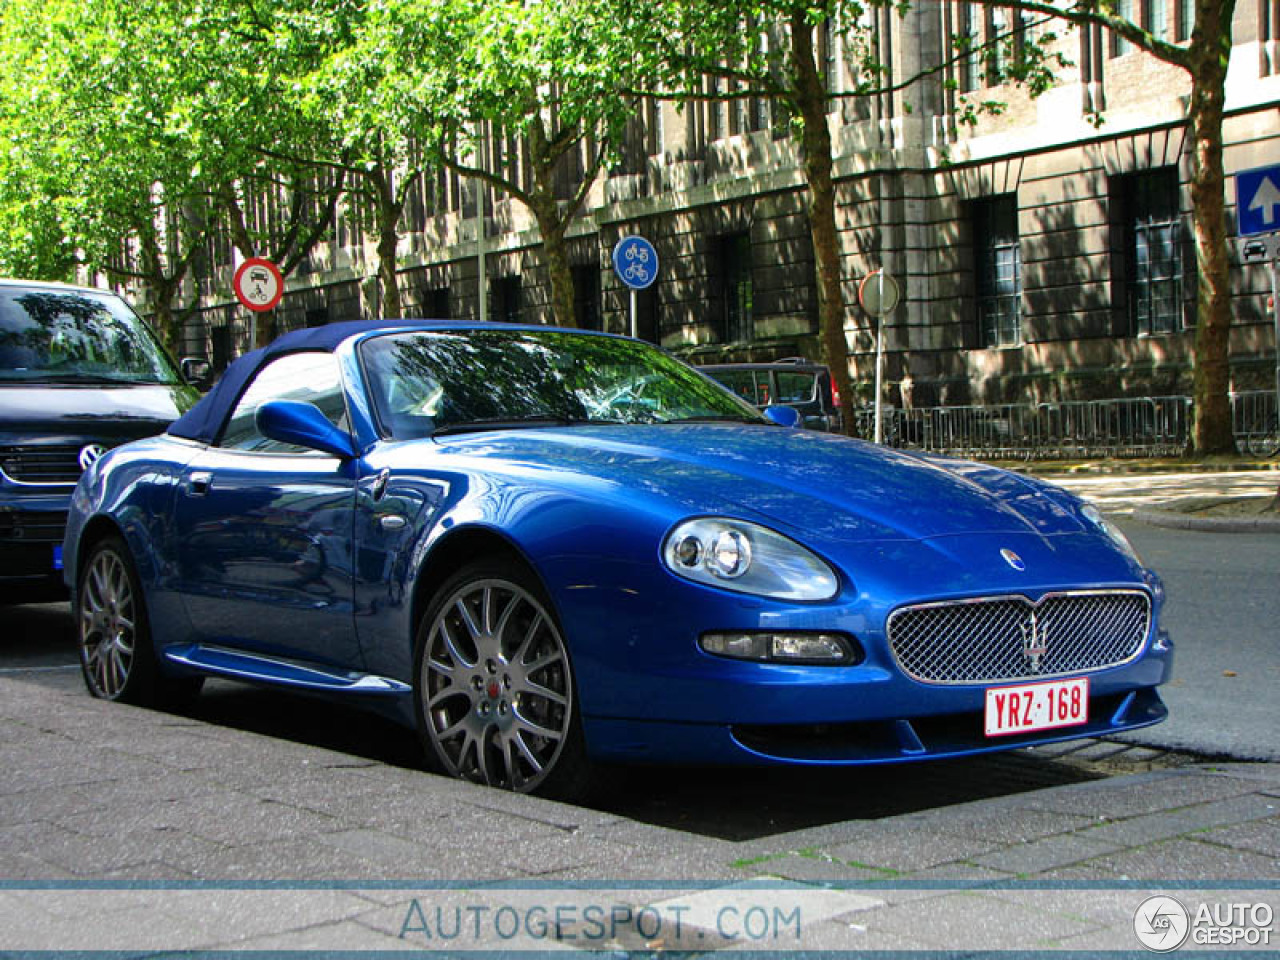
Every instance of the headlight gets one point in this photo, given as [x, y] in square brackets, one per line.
[1095, 517]
[748, 558]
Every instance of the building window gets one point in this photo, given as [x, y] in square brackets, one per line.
[506, 299]
[435, 303]
[735, 293]
[586, 297]
[1269, 36]
[968, 39]
[1152, 269]
[1186, 12]
[716, 126]
[1125, 10]
[998, 263]
[654, 134]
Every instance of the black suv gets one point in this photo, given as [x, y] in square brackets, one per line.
[794, 383]
[79, 373]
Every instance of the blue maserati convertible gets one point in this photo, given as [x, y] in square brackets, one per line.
[546, 549]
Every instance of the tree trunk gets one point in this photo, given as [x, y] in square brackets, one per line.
[163, 320]
[1212, 431]
[388, 239]
[555, 254]
[816, 144]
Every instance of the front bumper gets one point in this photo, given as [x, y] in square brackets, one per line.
[31, 532]
[891, 740]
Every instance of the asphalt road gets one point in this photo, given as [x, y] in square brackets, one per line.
[1223, 612]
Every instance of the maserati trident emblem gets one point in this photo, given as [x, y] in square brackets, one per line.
[1013, 560]
[89, 454]
[1034, 645]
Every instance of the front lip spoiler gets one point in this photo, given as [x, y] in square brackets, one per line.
[925, 738]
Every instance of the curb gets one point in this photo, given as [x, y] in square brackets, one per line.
[1178, 519]
[1112, 468]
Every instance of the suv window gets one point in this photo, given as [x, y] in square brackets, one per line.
[80, 336]
[305, 377]
[747, 384]
[795, 387]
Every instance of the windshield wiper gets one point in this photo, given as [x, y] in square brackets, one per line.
[77, 376]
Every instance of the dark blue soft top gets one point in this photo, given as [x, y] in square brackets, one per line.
[203, 420]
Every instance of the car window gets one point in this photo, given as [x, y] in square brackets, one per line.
[747, 384]
[51, 335]
[422, 383]
[305, 377]
[795, 387]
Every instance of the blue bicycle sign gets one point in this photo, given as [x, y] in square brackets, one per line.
[636, 262]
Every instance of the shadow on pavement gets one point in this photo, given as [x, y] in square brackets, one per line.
[727, 803]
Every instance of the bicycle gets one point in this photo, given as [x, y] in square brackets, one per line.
[1262, 439]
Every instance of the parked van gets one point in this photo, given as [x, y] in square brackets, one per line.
[79, 373]
[808, 387]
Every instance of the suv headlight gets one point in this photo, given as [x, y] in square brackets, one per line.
[748, 558]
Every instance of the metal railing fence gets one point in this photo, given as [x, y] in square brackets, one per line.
[1125, 427]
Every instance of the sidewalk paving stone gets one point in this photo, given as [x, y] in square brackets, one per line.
[1258, 836]
[1185, 860]
[1151, 827]
[904, 847]
[818, 870]
[966, 920]
[1140, 793]
[1046, 854]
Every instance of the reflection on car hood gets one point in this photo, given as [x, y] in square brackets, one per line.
[828, 486]
[124, 412]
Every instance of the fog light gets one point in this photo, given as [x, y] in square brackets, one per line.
[818, 646]
[803, 648]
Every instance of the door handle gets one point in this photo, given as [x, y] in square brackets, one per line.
[198, 483]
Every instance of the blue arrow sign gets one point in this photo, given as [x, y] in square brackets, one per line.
[1258, 200]
[636, 262]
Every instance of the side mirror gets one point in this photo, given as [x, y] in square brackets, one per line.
[302, 425]
[197, 371]
[783, 415]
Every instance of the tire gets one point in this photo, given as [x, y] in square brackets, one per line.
[494, 689]
[117, 659]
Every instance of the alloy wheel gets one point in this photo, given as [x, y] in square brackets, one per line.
[107, 623]
[497, 688]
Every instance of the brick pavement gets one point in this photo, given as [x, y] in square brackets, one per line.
[134, 831]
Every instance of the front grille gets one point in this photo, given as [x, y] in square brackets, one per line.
[41, 464]
[998, 639]
[26, 526]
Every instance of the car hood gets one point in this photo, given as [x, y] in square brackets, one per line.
[827, 486]
[32, 412]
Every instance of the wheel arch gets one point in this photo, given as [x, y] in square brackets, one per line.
[458, 547]
[98, 528]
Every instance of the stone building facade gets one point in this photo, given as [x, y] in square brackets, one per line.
[1043, 253]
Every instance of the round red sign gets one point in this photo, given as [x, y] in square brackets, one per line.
[258, 284]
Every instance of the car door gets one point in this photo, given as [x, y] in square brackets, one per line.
[264, 529]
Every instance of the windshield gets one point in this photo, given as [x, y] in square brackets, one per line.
[430, 383]
[76, 337]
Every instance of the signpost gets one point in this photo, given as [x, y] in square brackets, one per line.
[258, 284]
[1258, 213]
[878, 293]
[636, 263]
